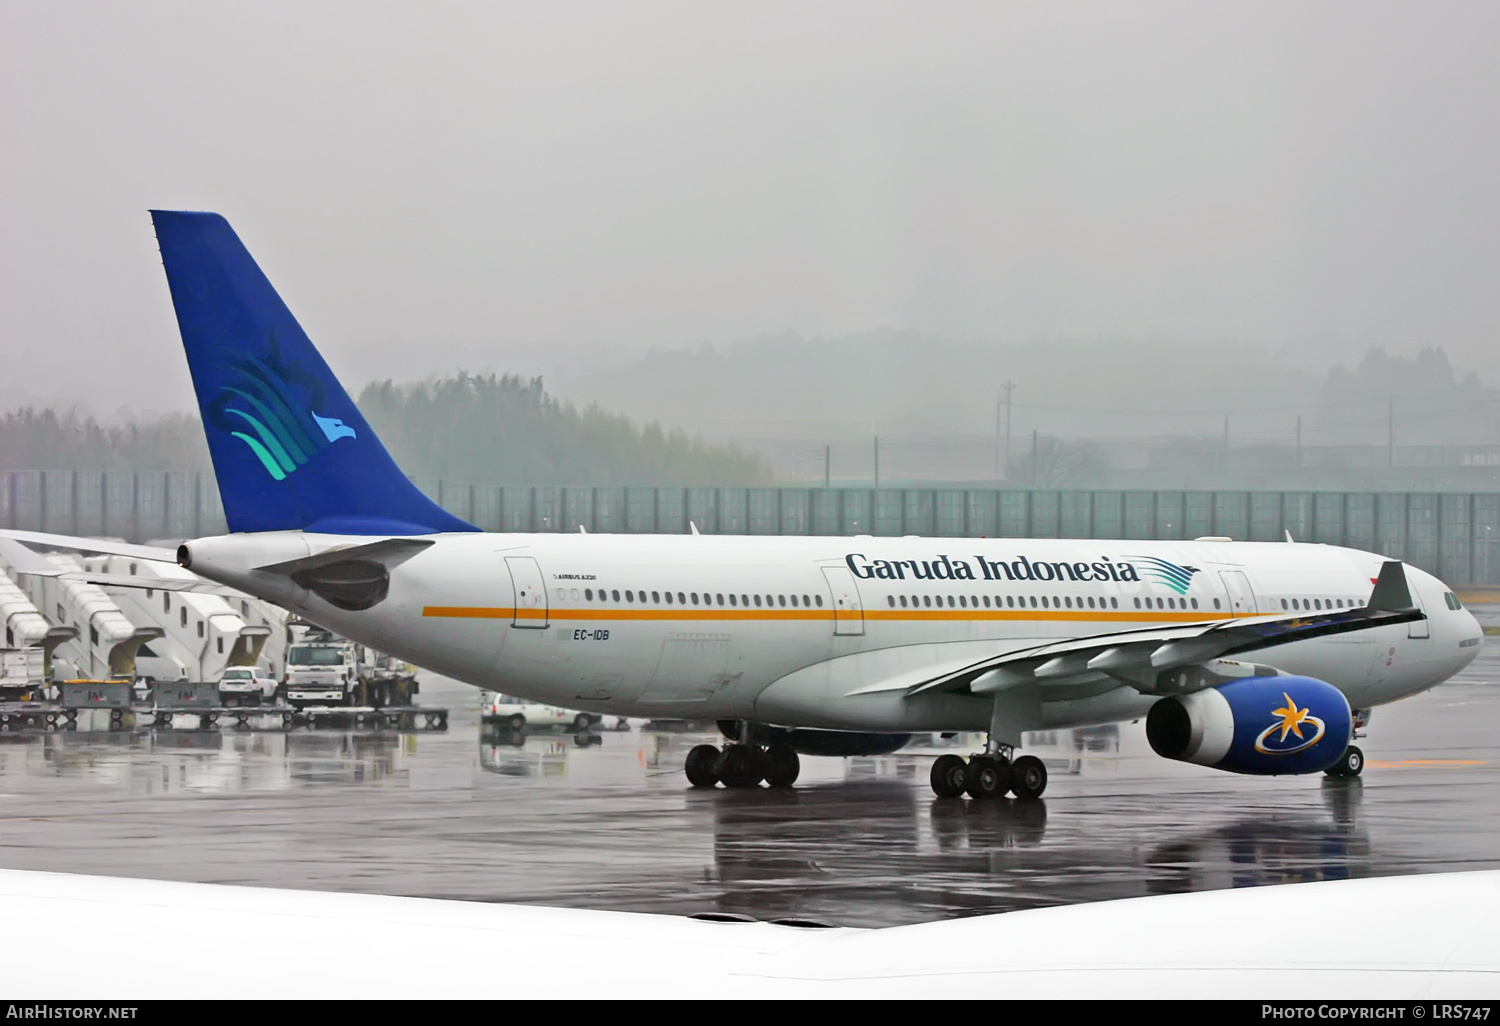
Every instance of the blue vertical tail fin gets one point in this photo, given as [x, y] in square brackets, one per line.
[289, 447]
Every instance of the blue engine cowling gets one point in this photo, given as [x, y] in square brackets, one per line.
[831, 742]
[1264, 725]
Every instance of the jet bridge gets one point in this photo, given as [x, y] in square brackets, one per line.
[104, 641]
[197, 630]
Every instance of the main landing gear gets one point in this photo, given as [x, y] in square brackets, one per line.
[989, 775]
[743, 764]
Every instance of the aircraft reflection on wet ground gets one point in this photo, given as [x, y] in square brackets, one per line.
[604, 820]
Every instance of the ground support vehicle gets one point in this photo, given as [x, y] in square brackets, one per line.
[245, 685]
[407, 718]
[518, 714]
[21, 674]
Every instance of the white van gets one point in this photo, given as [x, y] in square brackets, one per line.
[518, 714]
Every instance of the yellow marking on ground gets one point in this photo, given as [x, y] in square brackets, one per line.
[1425, 763]
[1089, 616]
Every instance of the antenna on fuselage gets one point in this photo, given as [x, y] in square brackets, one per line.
[694, 527]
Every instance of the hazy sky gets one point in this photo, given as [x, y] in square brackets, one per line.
[497, 186]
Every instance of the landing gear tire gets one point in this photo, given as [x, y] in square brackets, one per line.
[582, 721]
[1350, 764]
[782, 766]
[1028, 778]
[702, 762]
[987, 778]
[740, 766]
[518, 722]
[948, 776]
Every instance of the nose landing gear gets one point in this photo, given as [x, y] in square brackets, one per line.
[1350, 764]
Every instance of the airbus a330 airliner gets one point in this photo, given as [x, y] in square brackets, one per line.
[1248, 657]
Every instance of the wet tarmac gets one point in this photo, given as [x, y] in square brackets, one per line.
[608, 821]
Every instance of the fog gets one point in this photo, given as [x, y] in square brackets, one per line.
[1140, 214]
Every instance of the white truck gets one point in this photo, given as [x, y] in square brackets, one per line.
[325, 669]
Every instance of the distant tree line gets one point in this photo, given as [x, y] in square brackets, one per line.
[469, 429]
[505, 430]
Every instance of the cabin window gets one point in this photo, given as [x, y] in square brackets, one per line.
[629, 595]
[1114, 603]
[668, 595]
[744, 600]
[732, 601]
[1216, 604]
[721, 599]
[794, 600]
[950, 602]
[1294, 604]
[1068, 601]
[616, 594]
[757, 600]
[781, 600]
[818, 597]
[805, 601]
[891, 600]
[655, 596]
[903, 601]
[681, 599]
[588, 593]
[926, 600]
[1137, 603]
[1091, 602]
[963, 600]
[1283, 603]
[1171, 603]
[986, 602]
[1195, 603]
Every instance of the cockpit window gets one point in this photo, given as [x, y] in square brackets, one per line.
[1452, 600]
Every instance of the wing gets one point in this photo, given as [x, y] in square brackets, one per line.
[1153, 660]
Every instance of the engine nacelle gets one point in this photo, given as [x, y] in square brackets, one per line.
[1263, 725]
[831, 742]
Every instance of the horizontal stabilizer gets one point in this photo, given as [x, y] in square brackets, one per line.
[105, 546]
[389, 553]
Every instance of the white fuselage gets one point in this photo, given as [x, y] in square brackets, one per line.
[787, 630]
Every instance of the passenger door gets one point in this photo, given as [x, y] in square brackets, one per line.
[1241, 597]
[848, 612]
[1417, 628]
[531, 608]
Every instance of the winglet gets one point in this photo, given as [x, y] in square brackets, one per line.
[1391, 591]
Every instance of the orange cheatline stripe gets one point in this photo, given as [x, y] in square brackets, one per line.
[508, 613]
